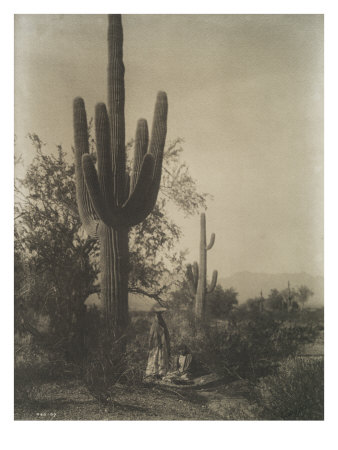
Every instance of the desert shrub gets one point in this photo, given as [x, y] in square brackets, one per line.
[92, 356]
[245, 346]
[41, 360]
[312, 317]
[137, 348]
[109, 362]
[296, 392]
[221, 302]
[104, 369]
[97, 360]
[34, 367]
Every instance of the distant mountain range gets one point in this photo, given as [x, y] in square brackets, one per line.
[249, 285]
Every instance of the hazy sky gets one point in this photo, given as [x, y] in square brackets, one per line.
[246, 94]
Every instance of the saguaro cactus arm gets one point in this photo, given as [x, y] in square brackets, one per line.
[159, 132]
[141, 146]
[93, 188]
[195, 270]
[97, 190]
[113, 216]
[146, 174]
[212, 241]
[192, 277]
[87, 213]
[213, 282]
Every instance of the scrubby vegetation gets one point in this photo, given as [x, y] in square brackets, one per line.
[258, 351]
[295, 392]
[245, 344]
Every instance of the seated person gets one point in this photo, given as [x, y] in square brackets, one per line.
[185, 367]
[184, 360]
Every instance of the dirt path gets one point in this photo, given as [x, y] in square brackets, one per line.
[229, 401]
[71, 401]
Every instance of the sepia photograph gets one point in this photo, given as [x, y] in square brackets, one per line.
[169, 217]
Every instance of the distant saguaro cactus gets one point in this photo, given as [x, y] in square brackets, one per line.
[197, 274]
[261, 302]
[109, 201]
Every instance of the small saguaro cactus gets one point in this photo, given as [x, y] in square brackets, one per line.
[109, 200]
[197, 274]
[261, 302]
[288, 299]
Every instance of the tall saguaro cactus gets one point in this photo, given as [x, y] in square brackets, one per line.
[197, 274]
[109, 200]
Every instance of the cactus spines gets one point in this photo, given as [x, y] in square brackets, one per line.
[197, 274]
[109, 201]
